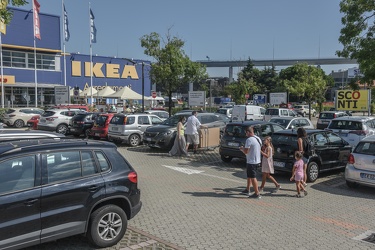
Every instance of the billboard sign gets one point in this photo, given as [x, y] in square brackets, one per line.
[197, 98]
[353, 100]
[278, 98]
[259, 98]
[62, 95]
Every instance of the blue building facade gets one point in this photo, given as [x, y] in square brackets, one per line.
[21, 80]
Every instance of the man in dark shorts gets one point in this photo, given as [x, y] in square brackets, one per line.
[252, 151]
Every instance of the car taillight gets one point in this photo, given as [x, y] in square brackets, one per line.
[132, 176]
[51, 119]
[126, 118]
[351, 159]
[358, 132]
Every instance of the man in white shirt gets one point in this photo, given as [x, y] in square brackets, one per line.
[252, 151]
[191, 131]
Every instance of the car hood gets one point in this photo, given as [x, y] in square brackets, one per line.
[159, 128]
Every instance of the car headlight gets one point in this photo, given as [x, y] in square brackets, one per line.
[167, 132]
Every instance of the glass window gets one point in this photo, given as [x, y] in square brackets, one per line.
[236, 131]
[17, 174]
[367, 148]
[320, 140]
[143, 120]
[266, 130]
[88, 163]
[103, 163]
[62, 166]
[334, 139]
[156, 120]
[129, 120]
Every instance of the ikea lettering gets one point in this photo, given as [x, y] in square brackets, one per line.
[356, 100]
[112, 70]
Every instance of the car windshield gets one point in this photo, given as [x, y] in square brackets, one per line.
[235, 131]
[285, 139]
[173, 120]
[272, 112]
[282, 122]
[366, 148]
[327, 115]
[347, 125]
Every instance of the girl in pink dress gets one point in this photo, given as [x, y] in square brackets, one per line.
[298, 174]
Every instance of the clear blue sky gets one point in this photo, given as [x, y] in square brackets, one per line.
[219, 29]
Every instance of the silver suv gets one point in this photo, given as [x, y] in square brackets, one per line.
[353, 128]
[304, 110]
[129, 128]
[18, 117]
[57, 120]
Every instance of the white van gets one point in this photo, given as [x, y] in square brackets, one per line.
[247, 113]
[279, 112]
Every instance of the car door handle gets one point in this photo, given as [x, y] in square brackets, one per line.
[93, 188]
[29, 203]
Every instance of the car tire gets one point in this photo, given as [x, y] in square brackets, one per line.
[312, 171]
[352, 184]
[19, 123]
[109, 218]
[134, 140]
[226, 158]
[62, 129]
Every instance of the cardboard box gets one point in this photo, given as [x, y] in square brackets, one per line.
[209, 137]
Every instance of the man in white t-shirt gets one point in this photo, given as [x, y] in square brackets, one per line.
[191, 131]
[252, 151]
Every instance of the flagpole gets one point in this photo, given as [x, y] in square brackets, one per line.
[35, 74]
[64, 31]
[90, 51]
[2, 72]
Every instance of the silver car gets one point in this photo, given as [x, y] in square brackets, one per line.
[57, 120]
[361, 166]
[293, 122]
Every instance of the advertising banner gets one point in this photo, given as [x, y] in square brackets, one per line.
[259, 99]
[352, 100]
[278, 98]
[197, 98]
[62, 95]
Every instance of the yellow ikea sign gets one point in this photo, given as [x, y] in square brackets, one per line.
[354, 100]
[112, 70]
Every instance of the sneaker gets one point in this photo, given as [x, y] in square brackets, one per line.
[298, 196]
[304, 184]
[260, 189]
[169, 153]
[255, 196]
[277, 188]
[245, 191]
[305, 192]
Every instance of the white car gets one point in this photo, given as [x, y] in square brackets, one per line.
[293, 122]
[18, 117]
[361, 166]
[304, 110]
[57, 120]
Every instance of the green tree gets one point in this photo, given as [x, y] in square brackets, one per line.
[5, 14]
[307, 82]
[358, 35]
[172, 67]
[267, 79]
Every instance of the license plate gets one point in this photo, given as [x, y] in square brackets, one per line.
[367, 176]
[148, 139]
[97, 134]
[279, 164]
[114, 128]
[72, 129]
[233, 144]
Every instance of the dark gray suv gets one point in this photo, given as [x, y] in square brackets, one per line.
[52, 189]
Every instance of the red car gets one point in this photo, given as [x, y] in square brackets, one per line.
[32, 123]
[100, 128]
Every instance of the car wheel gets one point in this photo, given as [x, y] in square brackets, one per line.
[134, 140]
[312, 171]
[352, 184]
[62, 129]
[19, 123]
[226, 158]
[107, 226]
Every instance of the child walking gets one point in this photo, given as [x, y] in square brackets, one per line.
[298, 174]
[267, 164]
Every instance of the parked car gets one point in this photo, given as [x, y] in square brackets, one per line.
[248, 113]
[82, 123]
[325, 118]
[225, 111]
[18, 117]
[50, 191]
[293, 122]
[57, 120]
[348, 112]
[164, 134]
[353, 128]
[304, 110]
[327, 151]
[32, 123]
[101, 124]
[72, 106]
[21, 134]
[235, 136]
[129, 128]
[161, 113]
[360, 168]
[279, 112]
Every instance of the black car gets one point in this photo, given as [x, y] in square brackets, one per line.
[327, 151]
[51, 189]
[82, 123]
[21, 134]
[164, 134]
[235, 137]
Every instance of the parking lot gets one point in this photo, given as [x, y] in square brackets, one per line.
[195, 203]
